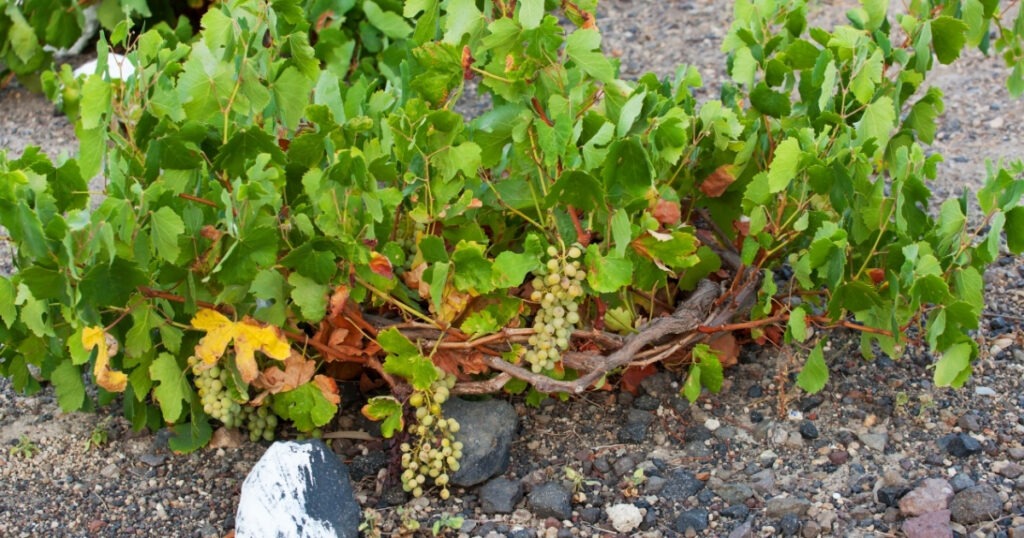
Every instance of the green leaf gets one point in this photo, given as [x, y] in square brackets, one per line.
[291, 93]
[814, 375]
[306, 406]
[310, 296]
[1015, 230]
[784, 166]
[607, 274]
[67, 381]
[628, 173]
[388, 410]
[578, 189]
[463, 18]
[622, 232]
[691, 388]
[876, 11]
[173, 388]
[243, 146]
[95, 102]
[948, 38]
[479, 323]
[870, 74]
[770, 102]
[710, 367]
[510, 268]
[798, 324]
[8, 313]
[673, 251]
[877, 122]
[389, 23]
[472, 268]
[418, 370]
[583, 48]
[530, 13]
[629, 113]
[192, 435]
[954, 366]
[167, 227]
[22, 39]
[395, 343]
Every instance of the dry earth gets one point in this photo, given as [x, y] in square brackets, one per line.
[768, 460]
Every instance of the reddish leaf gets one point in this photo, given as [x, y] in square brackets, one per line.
[298, 370]
[381, 265]
[338, 300]
[328, 387]
[467, 63]
[633, 375]
[715, 184]
[667, 212]
[728, 349]
[877, 275]
[742, 226]
[460, 363]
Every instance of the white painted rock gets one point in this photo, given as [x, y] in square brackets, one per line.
[298, 489]
[625, 517]
[118, 67]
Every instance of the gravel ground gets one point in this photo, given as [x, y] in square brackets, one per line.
[756, 460]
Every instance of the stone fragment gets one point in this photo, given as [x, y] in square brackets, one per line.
[960, 445]
[874, 441]
[624, 517]
[931, 525]
[635, 429]
[696, 519]
[976, 504]
[734, 493]
[776, 507]
[486, 431]
[1008, 469]
[808, 430]
[890, 495]
[681, 485]
[298, 488]
[500, 495]
[933, 494]
[550, 500]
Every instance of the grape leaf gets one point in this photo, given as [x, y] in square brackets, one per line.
[948, 38]
[395, 343]
[691, 388]
[710, 367]
[109, 379]
[167, 227]
[310, 296]
[530, 13]
[798, 324]
[583, 48]
[954, 367]
[389, 23]
[173, 388]
[814, 375]
[607, 274]
[8, 313]
[249, 337]
[67, 382]
[305, 406]
[388, 410]
[785, 163]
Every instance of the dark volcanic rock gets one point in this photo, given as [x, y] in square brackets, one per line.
[696, 519]
[486, 432]
[960, 445]
[550, 500]
[680, 485]
[976, 504]
[500, 495]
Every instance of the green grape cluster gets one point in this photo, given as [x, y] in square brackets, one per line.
[558, 289]
[260, 422]
[432, 452]
[212, 385]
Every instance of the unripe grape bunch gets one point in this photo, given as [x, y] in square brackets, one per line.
[260, 421]
[431, 453]
[558, 289]
[211, 383]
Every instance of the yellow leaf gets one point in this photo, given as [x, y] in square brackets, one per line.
[111, 380]
[219, 331]
[250, 338]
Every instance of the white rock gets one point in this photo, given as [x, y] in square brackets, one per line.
[624, 517]
[118, 67]
[984, 391]
[712, 424]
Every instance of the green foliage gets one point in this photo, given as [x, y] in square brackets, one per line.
[293, 164]
[24, 448]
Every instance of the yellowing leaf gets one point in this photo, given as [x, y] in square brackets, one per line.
[111, 380]
[249, 336]
[219, 331]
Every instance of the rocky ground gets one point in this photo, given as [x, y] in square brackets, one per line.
[881, 452]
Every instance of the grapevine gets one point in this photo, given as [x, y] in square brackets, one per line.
[211, 383]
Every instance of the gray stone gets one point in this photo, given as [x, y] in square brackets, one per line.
[746, 530]
[696, 519]
[890, 495]
[734, 493]
[960, 445]
[500, 495]
[969, 422]
[776, 507]
[736, 511]
[976, 504]
[764, 481]
[1008, 469]
[933, 494]
[1016, 453]
[789, 524]
[931, 525]
[298, 488]
[635, 429]
[654, 485]
[681, 485]
[550, 500]
[874, 441]
[811, 529]
[486, 431]
[960, 482]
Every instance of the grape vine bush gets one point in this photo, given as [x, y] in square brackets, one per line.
[292, 198]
